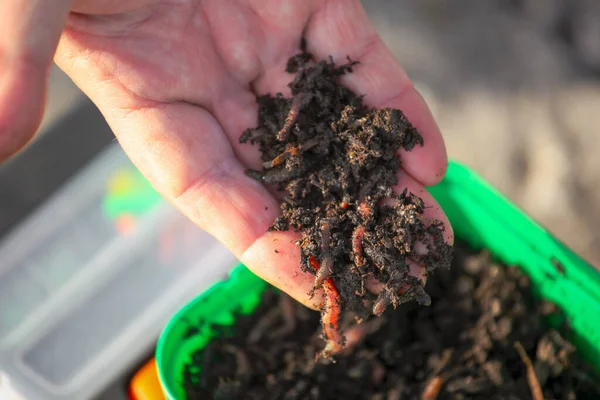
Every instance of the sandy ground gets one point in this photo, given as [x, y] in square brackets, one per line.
[515, 87]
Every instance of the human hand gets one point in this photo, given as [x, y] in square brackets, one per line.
[176, 81]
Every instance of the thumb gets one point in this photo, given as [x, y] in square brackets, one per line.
[29, 34]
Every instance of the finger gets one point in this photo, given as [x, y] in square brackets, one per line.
[29, 33]
[433, 211]
[254, 40]
[108, 7]
[276, 258]
[341, 28]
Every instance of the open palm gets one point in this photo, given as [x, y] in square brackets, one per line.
[177, 80]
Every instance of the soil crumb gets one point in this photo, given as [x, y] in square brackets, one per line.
[336, 161]
[466, 345]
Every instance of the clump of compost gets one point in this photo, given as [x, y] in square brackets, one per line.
[483, 337]
[336, 160]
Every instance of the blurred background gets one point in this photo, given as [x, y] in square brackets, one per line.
[515, 88]
[513, 84]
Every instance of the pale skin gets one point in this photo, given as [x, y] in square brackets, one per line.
[176, 80]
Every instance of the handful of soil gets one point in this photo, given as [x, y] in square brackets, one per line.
[336, 162]
[484, 337]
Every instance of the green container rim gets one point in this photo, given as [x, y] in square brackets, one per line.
[481, 216]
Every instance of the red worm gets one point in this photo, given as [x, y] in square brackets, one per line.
[330, 317]
[326, 266]
[293, 151]
[357, 238]
[297, 103]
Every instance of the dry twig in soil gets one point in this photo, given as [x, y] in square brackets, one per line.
[534, 384]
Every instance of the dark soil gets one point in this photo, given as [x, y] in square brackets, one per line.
[464, 346]
[335, 159]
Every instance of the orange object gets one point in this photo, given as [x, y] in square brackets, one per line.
[145, 384]
[125, 224]
[330, 319]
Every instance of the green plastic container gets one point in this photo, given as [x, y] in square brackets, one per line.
[479, 215]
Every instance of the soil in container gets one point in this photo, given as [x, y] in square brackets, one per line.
[335, 162]
[484, 336]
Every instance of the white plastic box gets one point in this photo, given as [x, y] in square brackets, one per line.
[81, 299]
